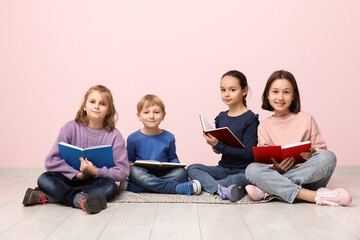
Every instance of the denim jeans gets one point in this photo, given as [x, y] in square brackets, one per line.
[212, 176]
[144, 180]
[312, 174]
[61, 189]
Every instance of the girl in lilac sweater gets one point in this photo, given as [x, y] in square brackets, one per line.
[91, 187]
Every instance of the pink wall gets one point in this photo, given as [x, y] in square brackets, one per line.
[51, 52]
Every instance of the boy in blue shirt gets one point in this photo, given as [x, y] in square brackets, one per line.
[153, 143]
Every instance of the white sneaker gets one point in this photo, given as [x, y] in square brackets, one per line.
[196, 187]
[123, 185]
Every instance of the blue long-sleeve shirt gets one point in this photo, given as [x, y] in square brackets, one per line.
[245, 129]
[159, 147]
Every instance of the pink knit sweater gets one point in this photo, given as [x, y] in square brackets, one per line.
[289, 129]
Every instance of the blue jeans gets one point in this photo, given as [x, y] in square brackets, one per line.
[312, 174]
[144, 180]
[61, 189]
[212, 176]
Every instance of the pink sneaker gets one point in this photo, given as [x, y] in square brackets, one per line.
[333, 198]
[256, 193]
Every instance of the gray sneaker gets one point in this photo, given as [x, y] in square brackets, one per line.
[34, 196]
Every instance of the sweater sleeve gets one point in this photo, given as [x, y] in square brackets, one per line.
[131, 149]
[317, 140]
[263, 136]
[172, 157]
[53, 161]
[249, 140]
[121, 169]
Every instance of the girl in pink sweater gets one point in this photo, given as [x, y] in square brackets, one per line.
[289, 125]
[91, 187]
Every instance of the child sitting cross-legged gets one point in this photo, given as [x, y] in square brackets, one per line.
[153, 143]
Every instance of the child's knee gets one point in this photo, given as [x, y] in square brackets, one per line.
[194, 167]
[253, 170]
[328, 157]
[44, 179]
[135, 170]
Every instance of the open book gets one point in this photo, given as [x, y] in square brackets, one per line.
[156, 165]
[223, 134]
[264, 154]
[100, 156]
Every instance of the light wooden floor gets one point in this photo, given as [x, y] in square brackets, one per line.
[274, 220]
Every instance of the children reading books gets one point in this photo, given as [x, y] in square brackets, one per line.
[289, 125]
[153, 143]
[91, 187]
[228, 178]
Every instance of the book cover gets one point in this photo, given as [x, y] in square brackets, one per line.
[265, 153]
[156, 165]
[100, 156]
[223, 134]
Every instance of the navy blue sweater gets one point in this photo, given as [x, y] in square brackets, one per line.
[245, 129]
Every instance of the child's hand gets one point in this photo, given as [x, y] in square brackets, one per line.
[81, 176]
[88, 167]
[131, 164]
[211, 140]
[307, 155]
[285, 165]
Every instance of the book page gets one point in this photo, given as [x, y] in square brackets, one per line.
[147, 162]
[294, 144]
[206, 126]
[174, 164]
[71, 146]
[95, 147]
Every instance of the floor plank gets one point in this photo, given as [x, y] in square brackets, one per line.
[39, 224]
[265, 221]
[222, 222]
[130, 221]
[176, 221]
[80, 225]
[313, 223]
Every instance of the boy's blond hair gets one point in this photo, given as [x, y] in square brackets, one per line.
[150, 100]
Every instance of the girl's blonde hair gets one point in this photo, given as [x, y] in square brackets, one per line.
[150, 100]
[109, 120]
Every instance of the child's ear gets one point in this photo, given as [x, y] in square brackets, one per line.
[163, 116]
[138, 115]
[245, 91]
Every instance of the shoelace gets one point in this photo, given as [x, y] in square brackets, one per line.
[42, 199]
[328, 195]
[81, 202]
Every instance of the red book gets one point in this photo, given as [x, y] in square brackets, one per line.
[265, 153]
[223, 134]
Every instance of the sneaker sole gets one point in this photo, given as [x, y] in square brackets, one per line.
[92, 204]
[103, 201]
[198, 187]
[236, 193]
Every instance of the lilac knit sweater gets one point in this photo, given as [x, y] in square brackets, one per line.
[84, 137]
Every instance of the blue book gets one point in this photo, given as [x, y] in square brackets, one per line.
[100, 156]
